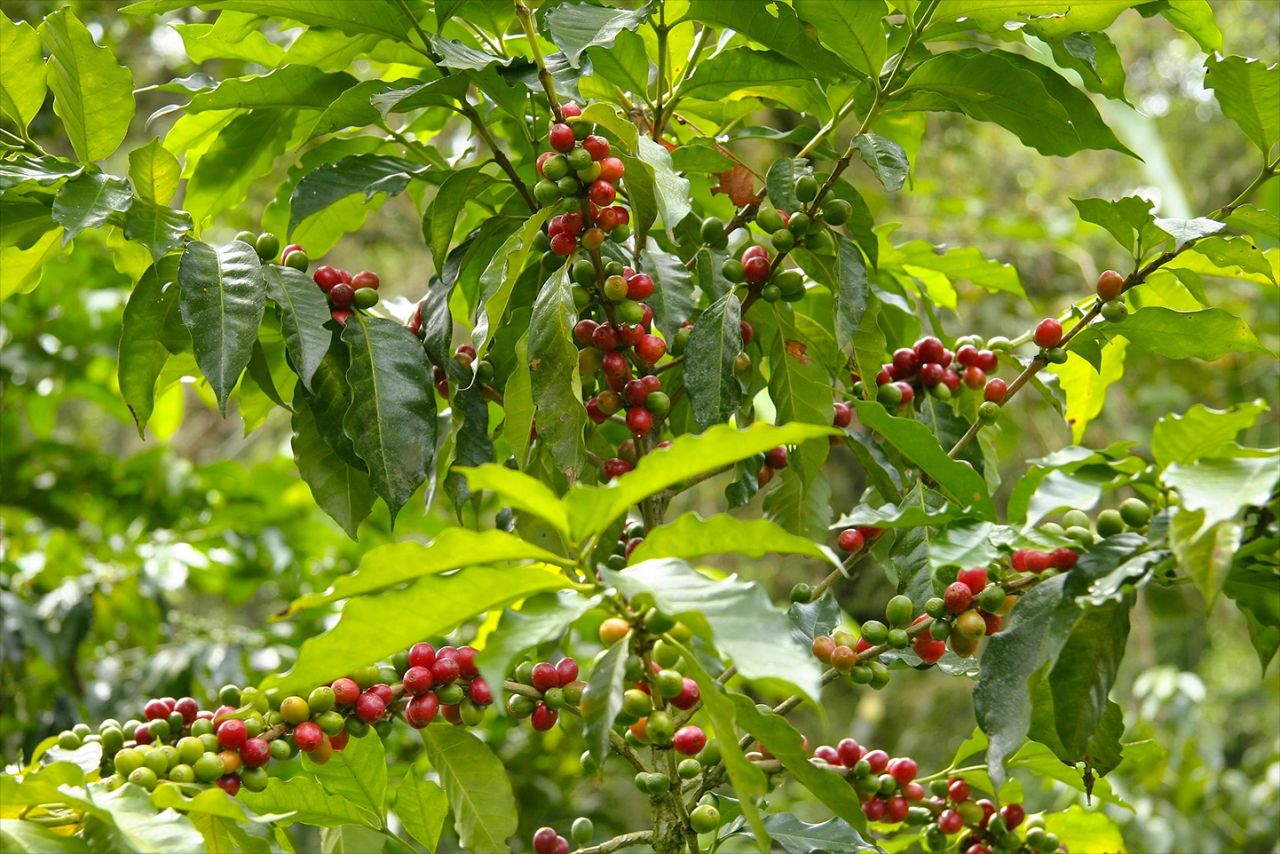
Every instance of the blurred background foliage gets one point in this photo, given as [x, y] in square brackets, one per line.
[132, 568]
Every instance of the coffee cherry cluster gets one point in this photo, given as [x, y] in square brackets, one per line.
[554, 686]
[986, 829]
[231, 745]
[756, 267]
[775, 460]
[970, 608]
[1132, 514]
[581, 167]
[886, 786]
[629, 540]
[929, 366]
[1109, 289]
[1032, 560]
[547, 841]
[853, 540]
[1048, 335]
[346, 292]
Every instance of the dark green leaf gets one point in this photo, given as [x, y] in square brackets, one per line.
[359, 173]
[240, 154]
[340, 490]
[780, 182]
[1081, 679]
[370, 16]
[1207, 334]
[87, 200]
[302, 86]
[435, 93]
[45, 170]
[1125, 218]
[150, 330]
[1026, 98]
[476, 783]
[914, 441]
[1254, 584]
[222, 299]
[92, 94]
[553, 370]
[574, 27]
[811, 619]
[885, 158]
[672, 298]
[303, 313]
[602, 699]
[542, 618]
[392, 417]
[156, 227]
[441, 218]
[799, 837]
[1095, 59]
[774, 26]
[715, 343]
[740, 72]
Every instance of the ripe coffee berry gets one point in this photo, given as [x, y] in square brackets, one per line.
[850, 540]
[544, 717]
[566, 671]
[418, 680]
[345, 691]
[776, 458]
[689, 696]
[1048, 333]
[974, 578]
[255, 753]
[561, 137]
[544, 840]
[995, 390]
[843, 415]
[650, 349]
[958, 597]
[232, 734]
[445, 670]
[422, 710]
[1110, 285]
[689, 740]
[544, 676]
[369, 707]
[307, 736]
[950, 822]
[639, 421]
[957, 791]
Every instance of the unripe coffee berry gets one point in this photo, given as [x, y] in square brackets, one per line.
[899, 611]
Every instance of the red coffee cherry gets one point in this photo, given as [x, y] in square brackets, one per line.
[844, 415]
[928, 649]
[155, 709]
[566, 671]
[445, 670]
[544, 676]
[878, 760]
[987, 360]
[418, 680]
[930, 350]
[827, 754]
[850, 540]
[957, 790]
[639, 287]
[341, 296]
[480, 692]
[756, 269]
[598, 146]
[229, 783]
[564, 244]
[1048, 333]
[307, 736]
[1063, 558]
[570, 110]
[1110, 285]
[931, 373]
[544, 840]
[995, 391]
[602, 192]
[776, 458]
[339, 742]
[908, 392]
[975, 578]
[950, 822]
[232, 734]
[1013, 814]
[689, 740]
[639, 421]
[345, 691]
[543, 717]
[958, 597]
[615, 468]
[903, 769]
[875, 809]
[326, 277]
[255, 753]
[561, 137]
[466, 658]
[974, 377]
[611, 169]
[365, 279]
[904, 363]
[897, 809]
[688, 697]
[422, 710]
[369, 707]
[383, 692]
[650, 349]
[188, 708]
[885, 376]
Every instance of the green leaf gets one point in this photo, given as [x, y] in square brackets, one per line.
[963, 544]
[22, 267]
[435, 93]
[1183, 231]
[357, 774]
[740, 72]
[716, 341]
[369, 174]
[331, 400]
[1034, 636]
[19, 835]
[46, 170]
[1085, 387]
[1095, 59]
[672, 298]
[222, 299]
[1125, 219]
[739, 615]
[1222, 486]
[340, 490]
[1054, 17]
[854, 31]
[239, 155]
[701, 155]
[788, 747]
[22, 73]
[553, 371]
[233, 35]
[1203, 551]
[746, 779]
[602, 698]
[574, 27]
[799, 837]
[1083, 830]
[150, 330]
[623, 64]
[1227, 257]
[159, 228]
[885, 158]
[1201, 432]
[422, 807]
[87, 200]
[1256, 221]
[845, 276]
[909, 514]
[811, 619]
[379, 624]
[392, 419]
[484, 810]
[351, 839]
[154, 172]
[963, 264]
[499, 278]
[371, 16]
[301, 799]
[1254, 584]
[92, 94]
[691, 536]
[1195, 18]
[1207, 334]
[780, 182]
[1052, 482]
[303, 311]
[542, 618]
[303, 86]
[1026, 98]
[441, 218]
[915, 442]
[592, 508]
[1249, 92]
[775, 26]
[521, 492]
[671, 191]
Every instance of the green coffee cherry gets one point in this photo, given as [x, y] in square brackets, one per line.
[712, 232]
[899, 611]
[144, 777]
[988, 412]
[899, 639]
[254, 779]
[940, 629]
[582, 830]
[247, 237]
[799, 224]
[1110, 523]
[769, 219]
[1135, 513]
[732, 270]
[836, 211]
[365, 298]
[875, 632]
[298, 260]
[268, 246]
[1075, 519]
[806, 188]
[704, 818]
[782, 240]
[688, 768]
[1114, 311]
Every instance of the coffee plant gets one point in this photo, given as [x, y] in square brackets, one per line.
[619, 303]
